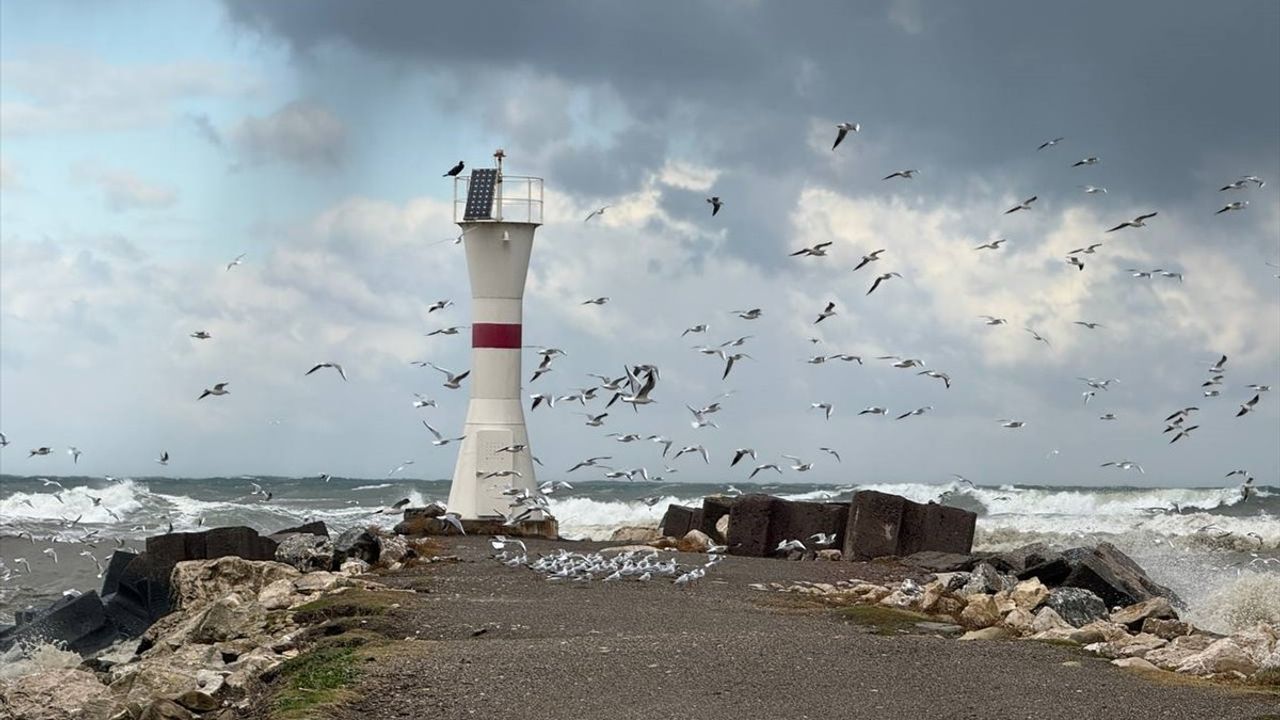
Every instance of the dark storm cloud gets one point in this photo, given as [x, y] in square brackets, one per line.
[1145, 85]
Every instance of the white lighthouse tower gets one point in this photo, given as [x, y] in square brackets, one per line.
[498, 219]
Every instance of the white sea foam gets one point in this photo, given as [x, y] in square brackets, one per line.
[586, 519]
[22, 660]
[123, 498]
[379, 486]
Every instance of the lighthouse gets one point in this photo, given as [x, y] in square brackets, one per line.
[498, 216]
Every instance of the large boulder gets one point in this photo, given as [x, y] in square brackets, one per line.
[1134, 615]
[758, 523]
[1109, 574]
[392, 549]
[306, 552]
[1017, 560]
[881, 524]
[986, 580]
[979, 612]
[418, 522]
[1224, 656]
[356, 543]
[678, 520]
[1178, 650]
[315, 527]
[1077, 606]
[78, 622]
[201, 582]
[694, 541]
[714, 509]
[63, 694]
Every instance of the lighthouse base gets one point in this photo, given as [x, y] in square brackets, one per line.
[485, 471]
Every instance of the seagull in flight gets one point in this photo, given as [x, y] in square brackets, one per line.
[1247, 407]
[597, 211]
[826, 313]
[1237, 205]
[219, 389]
[729, 360]
[819, 250]
[423, 401]
[1124, 465]
[993, 245]
[752, 314]
[740, 453]
[716, 203]
[826, 407]
[873, 410]
[945, 378]
[832, 453]
[1037, 336]
[453, 380]
[1012, 424]
[766, 466]
[693, 449]
[993, 320]
[1075, 262]
[1140, 221]
[917, 411]
[40, 451]
[1183, 432]
[1090, 325]
[1092, 189]
[1091, 249]
[238, 261]
[596, 301]
[1024, 205]
[880, 279]
[699, 328]
[843, 129]
[201, 335]
[800, 465]
[870, 258]
[335, 366]
[1086, 161]
[1050, 143]
[164, 457]
[590, 462]
[904, 174]
[439, 305]
[75, 453]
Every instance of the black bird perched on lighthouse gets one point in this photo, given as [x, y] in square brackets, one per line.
[453, 171]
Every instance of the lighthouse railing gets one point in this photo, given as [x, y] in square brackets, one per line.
[518, 200]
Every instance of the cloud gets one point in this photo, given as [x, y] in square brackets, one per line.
[205, 128]
[300, 132]
[122, 190]
[58, 90]
[8, 175]
[908, 15]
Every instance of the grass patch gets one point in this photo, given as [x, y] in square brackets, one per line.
[352, 603]
[1267, 680]
[316, 678]
[885, 620]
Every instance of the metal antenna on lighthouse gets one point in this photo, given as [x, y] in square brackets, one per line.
[498, 219]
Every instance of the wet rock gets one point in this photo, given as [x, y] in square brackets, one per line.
[694, 541]
[1167, 629]
[78, 622]
[1112, 576]
[1134, 615]
[63, 694]
[881, 524]
[306, 552]
[1222, 657]
[1178, 650]
[315, 527]
[1018, 560]
[356, 543]
[634, 534]
[979, 612]
[1077, 606]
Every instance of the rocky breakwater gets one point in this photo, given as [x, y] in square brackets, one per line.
[1007, 596]
[230, 620]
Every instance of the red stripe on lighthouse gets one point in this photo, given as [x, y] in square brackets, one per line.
[505, 336]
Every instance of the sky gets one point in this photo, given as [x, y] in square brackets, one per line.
[143, 146]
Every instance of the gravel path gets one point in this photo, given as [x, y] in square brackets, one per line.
[496, 642]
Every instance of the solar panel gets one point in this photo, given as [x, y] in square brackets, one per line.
[480, 194]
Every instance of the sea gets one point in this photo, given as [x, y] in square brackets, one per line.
[1219, 551]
